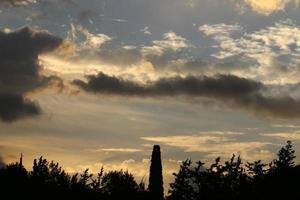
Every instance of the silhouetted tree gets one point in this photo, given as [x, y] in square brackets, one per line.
[119, 184]
[96, 183]
[182, 188]
[155, 187]
[256, 169]
[283, 175]
[286, 156]
[232, 180]
[257, 173]
[221, 180]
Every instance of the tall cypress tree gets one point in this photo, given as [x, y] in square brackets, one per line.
[155, 187]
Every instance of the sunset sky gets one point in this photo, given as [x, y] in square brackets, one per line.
[92, 83]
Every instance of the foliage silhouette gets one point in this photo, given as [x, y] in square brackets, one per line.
[234, 180]
[194, 181]
[48, 180]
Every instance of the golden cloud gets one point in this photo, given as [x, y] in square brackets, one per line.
[266, 7]
[216, 144]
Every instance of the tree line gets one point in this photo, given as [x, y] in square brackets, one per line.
[236, 180]
[232, 179]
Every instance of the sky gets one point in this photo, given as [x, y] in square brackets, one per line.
[91, 83]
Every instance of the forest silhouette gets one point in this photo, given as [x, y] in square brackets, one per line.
[233, 179]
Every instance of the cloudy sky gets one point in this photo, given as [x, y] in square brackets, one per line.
[98, 82]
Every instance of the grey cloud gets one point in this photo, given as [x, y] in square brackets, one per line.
[280, 106]
[15, 106]
[119, 56]
[270, 51]
[231, 90]
[221, 85]
[160, 53]
[171, 53]
[20, 70]
[19, 64]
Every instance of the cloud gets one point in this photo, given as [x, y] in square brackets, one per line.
[138, 167]
[290, 126]
[293, 136]
[228, 89]
[222, 85]
[20, 67]
[260, 7]
[121, 56]
[78, 49]
[15, 106]
[146, 30]
[116, 150]
[91, 40]
[120, 20]
[83, 46]
[267, 7]
[20, 70]
[220, 29]
[169, 55]
[171, 41]
[17, 2]
[214, 145]
[271, 51]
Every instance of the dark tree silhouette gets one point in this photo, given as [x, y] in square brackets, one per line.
[235, 181]
[119, 184]
[182, 187]
[221, 180]
[48, 180]
[286, 156]
[155, 187]
[256, 169]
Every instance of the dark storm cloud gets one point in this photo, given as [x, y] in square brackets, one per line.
[20, 70]
[224, 86]
[19, 64]
[15, 106]
[231, 90]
